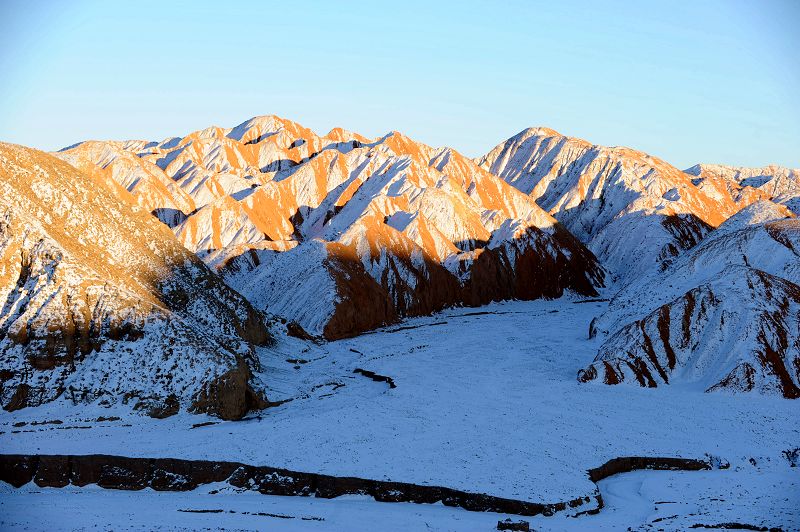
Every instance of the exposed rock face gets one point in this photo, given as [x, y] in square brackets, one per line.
[170, 474]
[508, 524]
[739, 332]
[230, 395]
[626, 464]
[101, 303]
[620, 202]
[363, 303]
[342, 233]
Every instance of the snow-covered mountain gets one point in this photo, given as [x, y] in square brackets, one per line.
[102, 304]
[776, 183]
[738, 331]
[760, 236]
[724, 315]
[621, 202]
[341, 233]
[152, 188]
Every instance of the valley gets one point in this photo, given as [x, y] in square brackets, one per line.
[484, 402]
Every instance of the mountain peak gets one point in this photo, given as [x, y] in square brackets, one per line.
[538, 131]
[340, 134]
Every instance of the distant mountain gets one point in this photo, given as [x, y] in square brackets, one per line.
[102, 304]
[365, 231]
[634, 211]
[776, 183]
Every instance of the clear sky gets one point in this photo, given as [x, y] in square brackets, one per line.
[710, 81]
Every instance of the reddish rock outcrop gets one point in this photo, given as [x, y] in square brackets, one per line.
[229, 396]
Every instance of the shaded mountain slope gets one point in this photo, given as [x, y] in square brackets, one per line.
[100, 303]
[723, 316]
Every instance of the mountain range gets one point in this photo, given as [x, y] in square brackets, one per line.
[173, 261]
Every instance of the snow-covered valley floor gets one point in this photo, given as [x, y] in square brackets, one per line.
[485, 400]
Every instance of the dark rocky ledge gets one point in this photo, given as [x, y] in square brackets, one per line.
[172, 474]
[377, 378]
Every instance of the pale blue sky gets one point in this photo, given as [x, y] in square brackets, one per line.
[687, 81]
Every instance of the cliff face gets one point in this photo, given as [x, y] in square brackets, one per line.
[102, 304]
